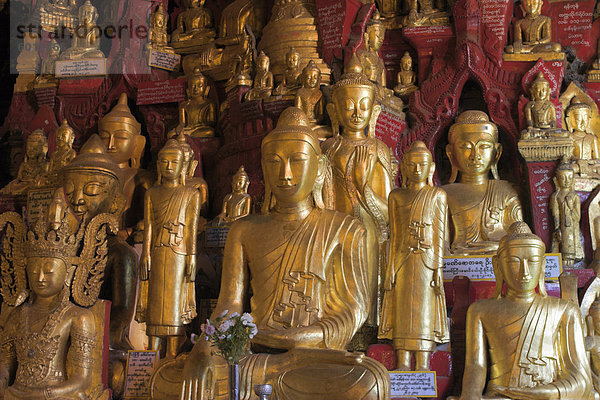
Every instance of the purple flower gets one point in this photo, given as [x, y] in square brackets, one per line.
[209, 330]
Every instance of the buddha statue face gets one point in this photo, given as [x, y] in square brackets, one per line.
[564, 178]
[64, 137]
[406, 64]
[87, 14]
[353, 106]
[416, 166]
[521, 263]
[540, 91]
[292, 60]
[197, 86]
[240, 184]
[159, 20]
[46, 275]
[311, 78]
[36, 147]
[170, 163]
[376, 35]
[263, 64]
[579, 119]
[532, 7]
[90, 192]
[474, 152]
[118, 139]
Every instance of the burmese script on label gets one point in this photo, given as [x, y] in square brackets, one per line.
[38, 201]
[413, 383]
[86, 67]
[163, 60]
[216, 237]
[481, 269]
[140, 365]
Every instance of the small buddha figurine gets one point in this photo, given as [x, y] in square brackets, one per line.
[406, 77]
[236, 204]
[305, 265]
[158, 38]
[424, 13]
[530, 344]
[533, 33]
[369, 56]
[168, 259]
[362, 167]
[91, 184]
[290, 83]
[64, 153]
[121, 134]
[197, 114]
[540, 113]
[578, 119]
[47, 68]
[414, 306]
[263, 81]
[310, 99]
[482, 210]
[34, 168]
[565, 207]
[49, 343]
[194, 24]
[88, 44]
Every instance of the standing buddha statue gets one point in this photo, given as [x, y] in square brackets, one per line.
[197, 114]
[481, 209]
[263, 80]
[290, 83]
[362, 167]
[578, 119]
[236, 204]
[168, 261]
[523, 344]
[34, 168]
[533, 33]
[88, 44]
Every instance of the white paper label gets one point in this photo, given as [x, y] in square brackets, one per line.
[140, 365]
[413, 383]
[163, 60]
[88, 67]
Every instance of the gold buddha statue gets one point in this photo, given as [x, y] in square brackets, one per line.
[236, 204]
[540, 113]
[310, 99]
[197, 114]
[406, 77]
[263, 80]
[533, 33]
[88, 44]
[369, 56]
[362, 167]
[530, 344]
[47, 68]
[578, 118]
[91, 184]
[194, 24]
[290, 83]
[51, 346]
[414, 308]
[189, 169]
[565, 207]
[121, 134]
[482, 210]
[158, 38]
[34, 168]
[64, 153]
[168, 261]
[55, 14]
[305, 265]
[425, 13]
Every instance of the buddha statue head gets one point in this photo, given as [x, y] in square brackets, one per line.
[91, 182]
[406, 62]
[263, 62]
[121, 134]
[353, 99]
[473, 147]
[36, 146]
[417, 165]
[564, 175]
[88, 14]
[159, 18]
[293, 165]
[540, 88]
[578, 116]
[240, 181]
[65, 135]
[292, 58]
[520, 262]
[171, 162]
[189, 162]
[311, 75]
[197, 85]
[375, 32]
[532, 7]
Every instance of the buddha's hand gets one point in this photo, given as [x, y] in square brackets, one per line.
[198, 377]
[190, 267]
[145, 266]
[517, 47]
[363, 165]
[437, 281]
[535, 393]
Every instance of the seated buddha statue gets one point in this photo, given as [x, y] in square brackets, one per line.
[34, 167]
[158, 38]
[305, 266]
[194, 24]
[48, 66]
[290, 83]
[197, 114]
[263, 80]
[578, 119]
[540, 112]
[91, 184]
[88, 44]
[373, 37]
[425, 13]
[236, 204]
[310, 99]
[406, 77]
[121, 134]
[523, 344]
[533, 33]
[64, 153]
[481, 209]
[52, 346]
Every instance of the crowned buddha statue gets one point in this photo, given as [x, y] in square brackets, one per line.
[52, 345]
[263, 80]
[481, 209]
[34, 168]
[236, 204]
[197, 114]
[523, 344]
[47, 68]
[532, 34]
[304, 266]
[362, 167]
[425, 13]
[121, 134]
[86, 45]
[290, 83]
[578, 119]
[158, 38]
[194, 25]
[168, 262]
[540, 112]
[310, 99]
[91, 184]
[406, 78]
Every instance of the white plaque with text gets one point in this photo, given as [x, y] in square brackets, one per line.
[413, 383]
[86, 67]
[163, 60]
[140, 365]
[481, 269]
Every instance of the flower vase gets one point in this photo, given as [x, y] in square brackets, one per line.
[234, 381]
